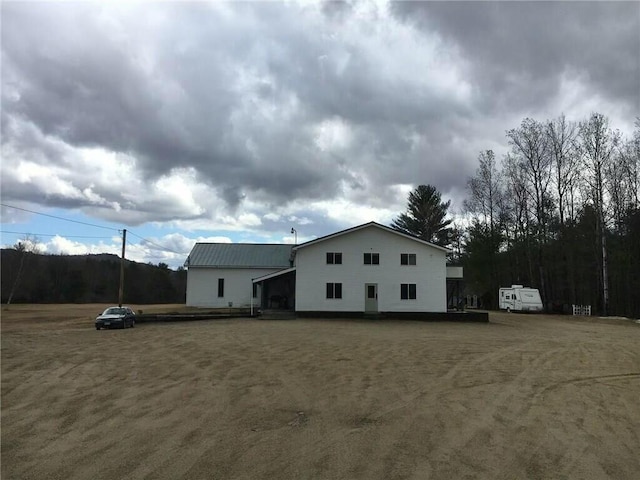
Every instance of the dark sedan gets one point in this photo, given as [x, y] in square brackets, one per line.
[118, 317]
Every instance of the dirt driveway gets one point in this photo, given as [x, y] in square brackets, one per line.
[522, 397]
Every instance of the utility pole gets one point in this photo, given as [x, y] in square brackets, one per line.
[124, 242]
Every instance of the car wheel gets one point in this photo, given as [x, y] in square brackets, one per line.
[133, 323]
[97, 327]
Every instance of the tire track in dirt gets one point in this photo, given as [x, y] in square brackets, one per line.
[500, 407]
[378, 401]
[444, 383]
[588, 380]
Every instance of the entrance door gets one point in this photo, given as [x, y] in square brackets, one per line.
[371, 297]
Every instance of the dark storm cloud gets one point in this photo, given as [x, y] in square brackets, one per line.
[241, 91]
[78, 83]
[172, 100]
[518, 51]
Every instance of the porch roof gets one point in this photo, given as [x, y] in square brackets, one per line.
[273, 275]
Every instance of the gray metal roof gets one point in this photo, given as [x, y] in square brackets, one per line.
[239, 255]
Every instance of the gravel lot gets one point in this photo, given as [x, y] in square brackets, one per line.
[525, 396]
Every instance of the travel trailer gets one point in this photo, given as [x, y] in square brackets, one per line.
[518, 298]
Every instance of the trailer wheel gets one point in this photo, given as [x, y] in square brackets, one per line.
[508, 309]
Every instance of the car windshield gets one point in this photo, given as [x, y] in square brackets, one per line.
[114, 311]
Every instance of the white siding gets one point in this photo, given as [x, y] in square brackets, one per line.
[429, 273]
[202, 286]
[455, 272]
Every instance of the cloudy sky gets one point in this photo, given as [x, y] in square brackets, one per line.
[215, 121]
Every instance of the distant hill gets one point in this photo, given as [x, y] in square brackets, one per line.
[87, 279]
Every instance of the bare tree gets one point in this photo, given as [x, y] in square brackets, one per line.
[26, 246]
[486, 191]
[597, 146]
[585, 179]
[518, 211]
[618, 175]
[562, 145]
[529, 144]
[634, 154]
[485, 200]
[629, 171]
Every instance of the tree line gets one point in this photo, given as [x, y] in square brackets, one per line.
[30, 277]
[559, 212]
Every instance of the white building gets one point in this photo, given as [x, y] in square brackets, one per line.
[370, 268]
[221, 274]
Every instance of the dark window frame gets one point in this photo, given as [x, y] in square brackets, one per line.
[372, 259]
[408, 291]
[408, 259]
[334, 291]
[334, 258]
[221, 288]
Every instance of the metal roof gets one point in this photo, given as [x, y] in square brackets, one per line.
[239, 255]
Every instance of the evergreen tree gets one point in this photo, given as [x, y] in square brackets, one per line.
[426, 216]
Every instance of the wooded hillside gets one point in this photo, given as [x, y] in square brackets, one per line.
[87, 279]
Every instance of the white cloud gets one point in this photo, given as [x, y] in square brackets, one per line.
[333, 135]
[575, 96]
[171, 249]
[272, 216]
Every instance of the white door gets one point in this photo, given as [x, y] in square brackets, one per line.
[371, 297]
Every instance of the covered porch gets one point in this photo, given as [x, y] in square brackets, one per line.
[455, 288]
[276, 291]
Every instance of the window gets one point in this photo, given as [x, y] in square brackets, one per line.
[334, 290]
[407, 291]
[372, 259]
[255, 290]
[407, 259]
[221, 287]
[334, 258]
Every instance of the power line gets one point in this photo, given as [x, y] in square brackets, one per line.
[154, 244]
[51, 235]
[59, 218]
[161, 247]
